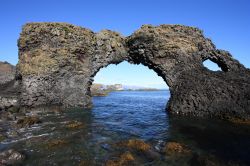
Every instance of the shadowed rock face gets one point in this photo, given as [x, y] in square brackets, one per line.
[57, 63]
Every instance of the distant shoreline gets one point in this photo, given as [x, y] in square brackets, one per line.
[141, 90]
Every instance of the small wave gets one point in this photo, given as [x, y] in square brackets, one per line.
[22, 139]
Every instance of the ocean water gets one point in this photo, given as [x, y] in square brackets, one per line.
[123, 116]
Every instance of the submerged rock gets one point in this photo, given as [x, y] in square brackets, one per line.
[125, 159]
[239, 121]
[175, 148]
[28, 121]
[11, 157]
[211, 160]
[140, 147]
[7, 116]
[56, 143]
[74, 124]
[135, 144]
[86, 163]
[2, 137]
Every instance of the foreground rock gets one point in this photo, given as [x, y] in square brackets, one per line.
[11, 157]
[57, 63]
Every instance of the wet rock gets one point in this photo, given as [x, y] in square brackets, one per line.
[13, 134]
[8, 103]
[175, 148]
[152, 155]
[56, 143]
[140, 147]
[28, 121]
[13, 110]
[239, 121]
[11, 157]
[209, 160]
[74, 125]
[2, 137]
[7, 116]
[125, 159]
[136, 144]
[86, 163]
[106, 147]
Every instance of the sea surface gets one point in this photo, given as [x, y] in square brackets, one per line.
[123, 116]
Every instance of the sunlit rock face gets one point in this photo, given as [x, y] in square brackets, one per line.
[57, 63]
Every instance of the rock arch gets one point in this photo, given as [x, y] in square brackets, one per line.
[57, 63]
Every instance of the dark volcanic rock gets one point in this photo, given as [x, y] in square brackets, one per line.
[11, 157]
[8, 86]
[7, 72]
[57, 63]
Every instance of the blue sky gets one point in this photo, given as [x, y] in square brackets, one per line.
[226, 22]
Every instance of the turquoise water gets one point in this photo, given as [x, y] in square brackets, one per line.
[123, 116]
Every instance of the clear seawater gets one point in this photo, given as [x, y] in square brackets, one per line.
[122, 116]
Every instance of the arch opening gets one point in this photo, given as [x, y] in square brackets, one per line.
[135, 102]
[131, 75]
[212, 65]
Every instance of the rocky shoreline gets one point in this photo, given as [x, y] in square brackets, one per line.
[104, 90]
[127, 151]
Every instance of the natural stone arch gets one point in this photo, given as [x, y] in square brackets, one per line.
[57, 62]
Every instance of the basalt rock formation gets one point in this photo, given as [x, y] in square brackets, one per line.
[8, 86]
[57, 63]
[7, 72]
